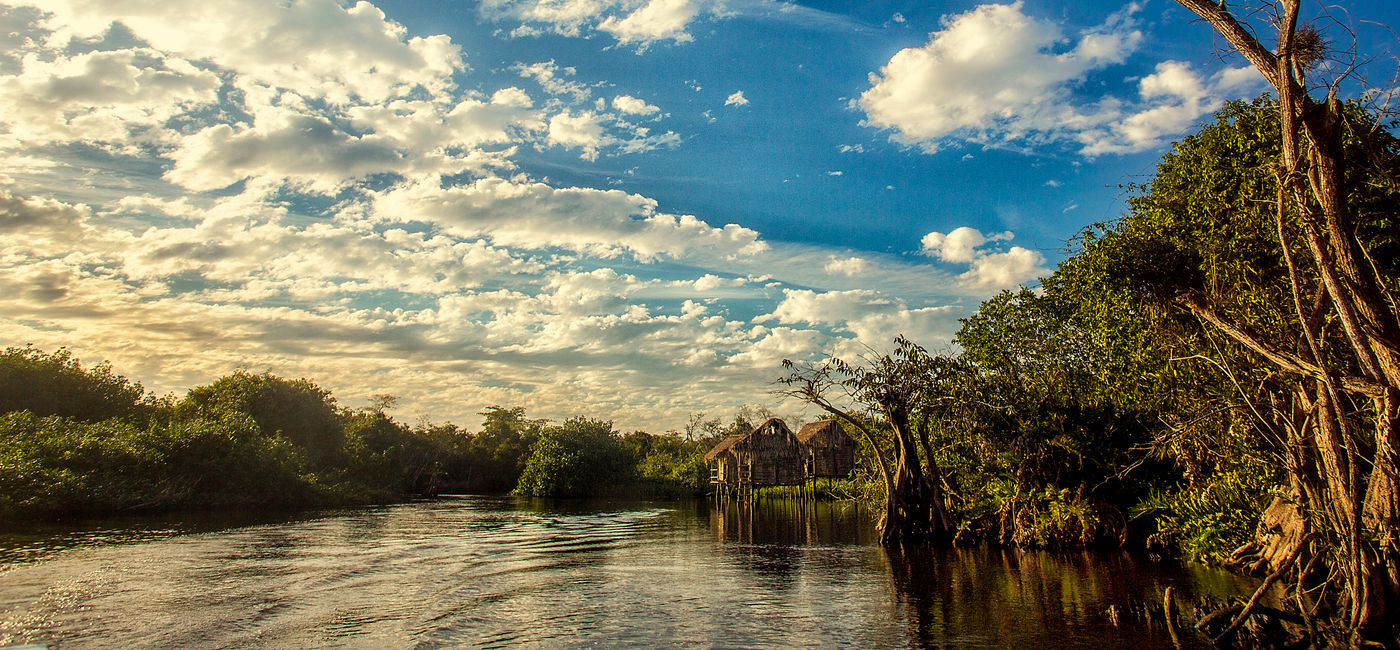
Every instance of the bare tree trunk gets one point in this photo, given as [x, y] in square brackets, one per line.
[917, 500]
[1354, 494]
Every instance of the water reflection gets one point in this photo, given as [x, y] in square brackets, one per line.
[1020, 598]
[792, 523]
[493, 571]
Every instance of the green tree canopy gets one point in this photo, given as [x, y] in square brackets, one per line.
[581, 457]
[56, 384]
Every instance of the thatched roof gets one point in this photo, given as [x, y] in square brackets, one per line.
[728, 443]
[724, 445]
[811, 429]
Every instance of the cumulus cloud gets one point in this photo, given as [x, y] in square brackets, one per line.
[308, 184]
[633, 105]
[988, 269]
[590, 132]
[872, 317]
[111, 97]
[302, 148]
[581, 131]
[316, 47]
[537, 216]
[997, 75]
[736, 99]
[554, 79]
[657, 20]
[34, 215]
[631, 22]
[1173, 98]
[848, 266]
[989, 72]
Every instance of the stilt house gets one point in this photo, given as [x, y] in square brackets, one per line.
[831, 453]
[769, 455]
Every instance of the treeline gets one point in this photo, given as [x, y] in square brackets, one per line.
[1210, 374]
[89, 441]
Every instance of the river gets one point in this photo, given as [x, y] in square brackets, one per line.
[498, 571]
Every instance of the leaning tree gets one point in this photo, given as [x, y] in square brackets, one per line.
[886, 401]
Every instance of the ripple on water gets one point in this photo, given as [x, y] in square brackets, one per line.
[500, 572]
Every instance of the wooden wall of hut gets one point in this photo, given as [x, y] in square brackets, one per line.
[773, 453]
[724, 464]
[767, 456]
[832, 453]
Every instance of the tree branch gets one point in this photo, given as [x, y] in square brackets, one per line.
[1194, 301]
[1239, 38]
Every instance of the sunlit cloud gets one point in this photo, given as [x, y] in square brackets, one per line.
[988, 269]
[999, 76]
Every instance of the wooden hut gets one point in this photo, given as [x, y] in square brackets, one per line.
[831, 453]
[767, 456]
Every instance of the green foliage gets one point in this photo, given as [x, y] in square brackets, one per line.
[56, 384]
[297, 410]
[1212, 520]
[671, 467]
[496, 455]
[244, 440]
[54, 465]
[582, 457]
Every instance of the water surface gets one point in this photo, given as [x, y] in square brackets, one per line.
[496, 571]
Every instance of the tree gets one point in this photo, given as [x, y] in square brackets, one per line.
[56, 384]
[893, 392]
[579, 458]
[499, 451]
[296, 409]
[1040, 406]
[1339, 407]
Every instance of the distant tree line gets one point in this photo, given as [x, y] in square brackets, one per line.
[90, 441]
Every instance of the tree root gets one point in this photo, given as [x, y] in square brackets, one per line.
[1241, 613]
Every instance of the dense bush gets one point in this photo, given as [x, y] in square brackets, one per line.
[581, 457]
[56, 384]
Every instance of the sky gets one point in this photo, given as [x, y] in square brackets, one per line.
[631, 210]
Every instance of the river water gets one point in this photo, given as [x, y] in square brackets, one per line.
[498, 571]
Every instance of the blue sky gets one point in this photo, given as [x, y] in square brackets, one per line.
[627, 209]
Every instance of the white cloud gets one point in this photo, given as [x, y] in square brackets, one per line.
[990, 73]
[536, 216]
[1173, 99]
[1005, 270]
[32, 216]
[997, 75]
[988, 270]
[633, 105]
[630, 22]
[582, 131]
[307, 185]
[314, 47]
[848, 266]
[777, 344]
[956, 246]
[113, 97]
[657, 20]
[554, 80]
[872, 317]
[736, 99]
[282, 144]
[590, 132]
